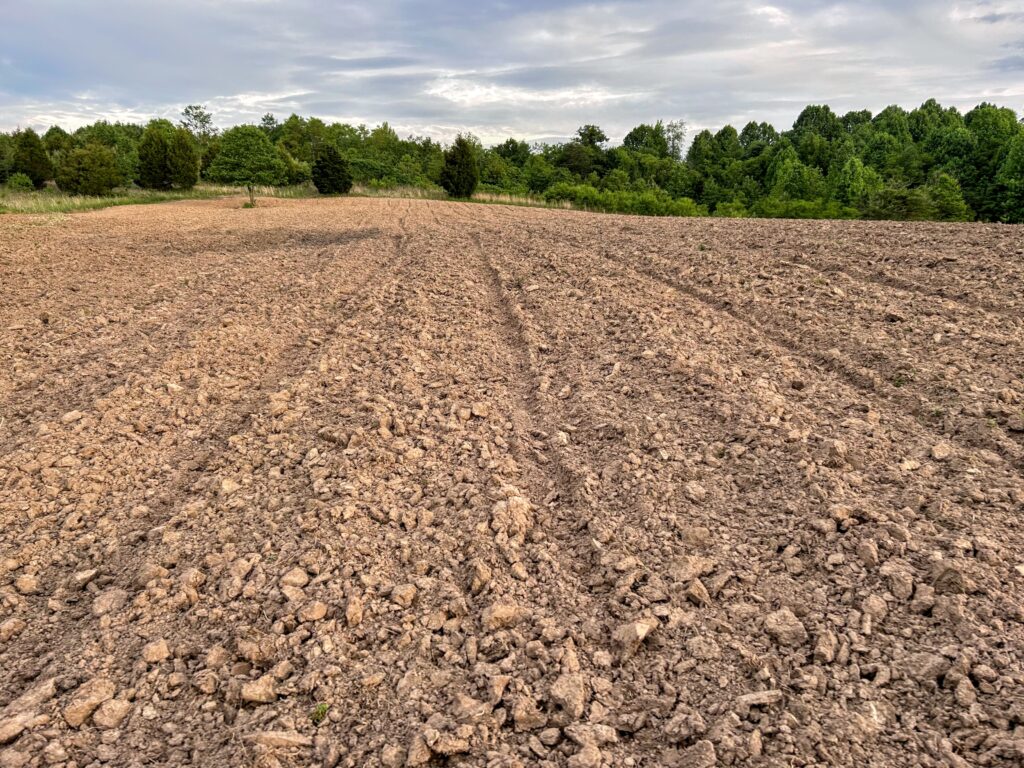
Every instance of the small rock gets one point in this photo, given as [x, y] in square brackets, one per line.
[296, 577]
[695, 492]
[155, 652]
[228, 486]
[418, 752]
[875, 607]
[109, 601]
[71, 417]
[280, 739]
[825, 648]
[965, 694]
[392, 756]
[81, 578]
[313, 611]
[262, 691]
[111, 713]
[700, 755]
[925, 667]
[87, 699]
[589, 756]
[12, 727]
[756, 699]
[149, 572]
[481, 410]
[501, 615]
[479, 576]
[27, 584]
[403, 595]
[785, 628]
[526, 715]
[628, 637]
[354, 611]
[443, 743]
[570, 693]
[11, 629]
[942, 451]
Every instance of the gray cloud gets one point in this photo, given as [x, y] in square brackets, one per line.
[527, 68]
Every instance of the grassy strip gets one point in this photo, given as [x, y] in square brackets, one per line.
[52, 201]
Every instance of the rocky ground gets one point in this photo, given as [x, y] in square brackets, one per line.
[405, 483]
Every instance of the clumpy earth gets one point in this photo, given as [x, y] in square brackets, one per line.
[405, 483]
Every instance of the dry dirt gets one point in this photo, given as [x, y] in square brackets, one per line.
[382, 482]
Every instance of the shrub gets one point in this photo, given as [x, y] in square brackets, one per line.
[331, 174]
[30, 158]
[647, 203]
[731, 210]
[295, 171]
[89, 170]
[247, 158]
[460, 174]
[19, 182]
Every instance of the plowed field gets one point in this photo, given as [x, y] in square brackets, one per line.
[381, 483]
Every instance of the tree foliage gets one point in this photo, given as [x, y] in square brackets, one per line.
[331, 174]
[928, 162]
[89, 170]
[247, 158]
[30, 158]
[460, 174]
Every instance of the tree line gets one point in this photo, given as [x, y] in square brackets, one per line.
[929, 163]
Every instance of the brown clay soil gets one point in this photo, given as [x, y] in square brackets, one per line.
[383, 483]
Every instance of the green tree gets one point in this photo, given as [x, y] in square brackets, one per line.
[198, 121]
[994, 130]
[649, 139]
[1011, 176]
[154, 155]
[331, 174]
[591, 136]
[818, 120]
[947, 199]
[515, 152]
[57, 141]
[461, 173]
[675, 135]
[183, 159]
[6, 156]
[31, 159]
[538, 173]
[89, 170]
[247, 158]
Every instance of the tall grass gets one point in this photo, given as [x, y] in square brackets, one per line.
[53, 201]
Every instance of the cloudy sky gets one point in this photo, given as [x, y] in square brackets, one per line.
[525, 67]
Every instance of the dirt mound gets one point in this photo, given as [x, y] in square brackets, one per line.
[384, 483]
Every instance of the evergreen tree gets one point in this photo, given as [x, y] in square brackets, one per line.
[154, 155]
[30, 158]
[460, 174]
[183, 160]
[331, 174]
[89, 170]
[57, 141]
[948, 199]
[6, 156]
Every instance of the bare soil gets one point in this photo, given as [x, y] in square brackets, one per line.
[373, 482]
